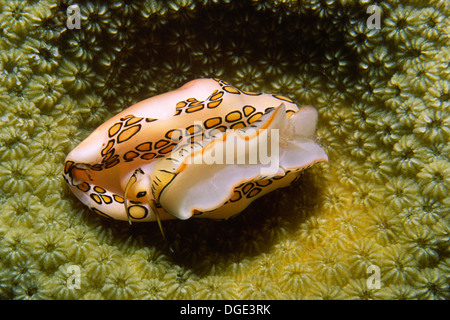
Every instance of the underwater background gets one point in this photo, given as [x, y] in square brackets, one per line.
[378, 210]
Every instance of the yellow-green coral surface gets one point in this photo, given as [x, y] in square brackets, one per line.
[381, 201]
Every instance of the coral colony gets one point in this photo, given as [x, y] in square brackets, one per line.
[372, 223]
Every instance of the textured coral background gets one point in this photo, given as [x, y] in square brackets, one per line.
[383, 98]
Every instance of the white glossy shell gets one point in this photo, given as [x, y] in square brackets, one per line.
[171, 153]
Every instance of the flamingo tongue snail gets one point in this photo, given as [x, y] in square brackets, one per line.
[169, 156]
